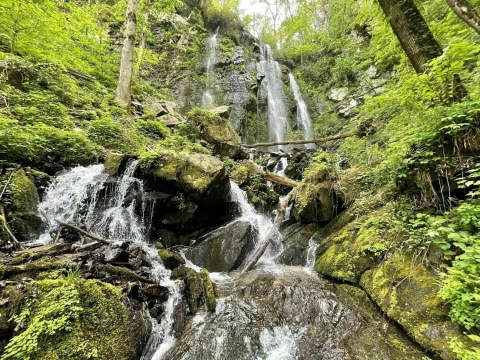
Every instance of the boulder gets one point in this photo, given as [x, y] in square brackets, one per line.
[406, 290]
[170, 259]
[201, 177]
[114, 162]
[315, 199]
[296, 238]
[213, 127]
[224, 249]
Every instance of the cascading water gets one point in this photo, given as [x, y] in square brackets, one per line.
[260, 222]
[303, 117]
[277, 111]
[212, 47]
[76, 197]
[311, 254]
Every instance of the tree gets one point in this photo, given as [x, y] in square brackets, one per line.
[412, 31]
[123, 93]
[466, 12]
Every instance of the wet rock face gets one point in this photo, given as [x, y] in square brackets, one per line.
[286, 315]
[296, 238]
[224, 249]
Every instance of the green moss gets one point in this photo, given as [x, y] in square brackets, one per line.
[79, 319]
[23, 192]
[113, 161]
[208, 290]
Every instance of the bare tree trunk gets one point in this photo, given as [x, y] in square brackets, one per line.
[412, 31]
[123, 93]
[466, 12]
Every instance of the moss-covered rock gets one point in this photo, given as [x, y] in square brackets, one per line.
[78, 319]
[114, 162]
[406, 289]
[315, 199]
[202, 177]
[198, 288]
[215, 130]
[171, 259]
[350, 245]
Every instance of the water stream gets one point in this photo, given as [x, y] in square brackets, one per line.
[212, 48]
[278, 125]
[303, 117]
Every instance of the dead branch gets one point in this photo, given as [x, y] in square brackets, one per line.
[80, 75]
[302, 142]
[8, 181]
[3, 223]
[270, 176]
[84, 233]
[282, 209]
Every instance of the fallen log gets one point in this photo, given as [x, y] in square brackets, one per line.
[84, 233]
[80, 75]
[270, 176]
[282, 209]
[302, 142]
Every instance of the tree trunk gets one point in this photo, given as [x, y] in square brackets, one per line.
[412, 31]
[302, 142]
[123, 93]
[466, 12]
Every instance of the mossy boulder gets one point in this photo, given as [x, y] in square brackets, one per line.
[201, 177]
[22, 210]
[171, 259]
[198, 290]
[114, 162]
[216, 131]
[351, 244]
[315, 198]
[224, 249]
[406, 288]
[78, 319]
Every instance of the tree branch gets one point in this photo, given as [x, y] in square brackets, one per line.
[302, 142]
[84, 233]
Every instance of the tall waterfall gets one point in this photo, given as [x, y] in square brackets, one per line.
[212, 47]
[277, 110]
[303, 117]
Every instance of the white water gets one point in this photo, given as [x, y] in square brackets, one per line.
[277, 111]
[303, 117]
[212, 47]
[311, 255]
[73, 197]
[261, 224]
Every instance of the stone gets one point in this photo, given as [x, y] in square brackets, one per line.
[114, 162]
[202, 177]
[170, 259]
[156, 291]
[224, 249]
[406, 290]
[213, 127]
[338, 94]
[296, 238]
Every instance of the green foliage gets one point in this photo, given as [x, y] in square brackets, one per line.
[43, 146]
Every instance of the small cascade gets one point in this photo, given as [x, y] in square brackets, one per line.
[277, 111]
[311, 255]
[119, 220]
[261, 223]
[72, 198]
[303, 117]
[212, 47]
[116, 211]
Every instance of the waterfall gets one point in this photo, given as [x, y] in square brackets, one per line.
[311, 255]
[79, 196]
[261, 224]
[212, 47]
[303, 117]
[277, 110]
